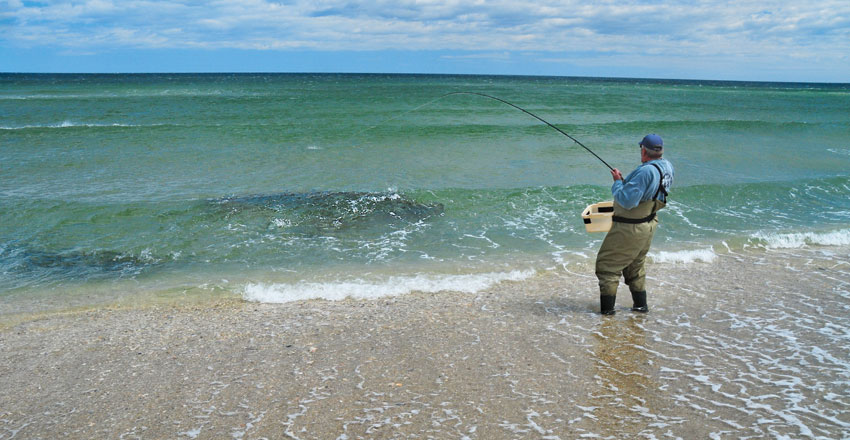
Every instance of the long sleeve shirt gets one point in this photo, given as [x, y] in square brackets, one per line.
[642, 183]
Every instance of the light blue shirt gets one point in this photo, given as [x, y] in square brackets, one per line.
[642, 183]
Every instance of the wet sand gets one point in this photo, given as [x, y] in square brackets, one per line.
[751, 345]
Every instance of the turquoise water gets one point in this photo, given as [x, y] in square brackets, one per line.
[295, 185]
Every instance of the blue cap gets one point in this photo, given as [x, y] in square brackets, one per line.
[652, 141]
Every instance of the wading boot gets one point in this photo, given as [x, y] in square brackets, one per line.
[607, 302]
[640, 302]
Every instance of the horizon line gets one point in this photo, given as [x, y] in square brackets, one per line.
[429, 74]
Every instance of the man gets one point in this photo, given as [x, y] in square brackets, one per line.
[636, 200]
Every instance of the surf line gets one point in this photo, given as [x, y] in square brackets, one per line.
[503, 102]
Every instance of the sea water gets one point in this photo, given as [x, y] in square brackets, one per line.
[279, 187]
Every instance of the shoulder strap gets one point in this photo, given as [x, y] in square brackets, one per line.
[661, 188]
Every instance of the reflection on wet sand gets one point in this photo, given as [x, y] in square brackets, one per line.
[622, 374]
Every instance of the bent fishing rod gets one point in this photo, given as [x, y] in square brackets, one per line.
[503, 102]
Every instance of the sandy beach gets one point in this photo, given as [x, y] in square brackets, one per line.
[749, 345]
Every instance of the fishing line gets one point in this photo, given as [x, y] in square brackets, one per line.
[503, 102]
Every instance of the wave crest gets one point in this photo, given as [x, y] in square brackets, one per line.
[688, 256]
[803, 239]
[392, 286]
[69, 124]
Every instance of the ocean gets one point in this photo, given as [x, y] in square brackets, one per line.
[282, 187]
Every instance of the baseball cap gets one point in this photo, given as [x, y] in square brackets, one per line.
[652, 141]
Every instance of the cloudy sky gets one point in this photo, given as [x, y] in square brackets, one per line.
[762, 40]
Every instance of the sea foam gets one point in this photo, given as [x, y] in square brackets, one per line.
[802, 239]
[393, 286]
[688, 256]
[70, 124]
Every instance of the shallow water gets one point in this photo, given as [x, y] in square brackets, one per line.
[752, 345]
[757, 352]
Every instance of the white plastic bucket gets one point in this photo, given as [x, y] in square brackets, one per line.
[597, 217]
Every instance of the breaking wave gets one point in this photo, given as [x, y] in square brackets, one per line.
[803, 239]
[688, 256]
[69, 124]
[392, 286]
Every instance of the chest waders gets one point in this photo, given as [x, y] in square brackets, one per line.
[623, 251]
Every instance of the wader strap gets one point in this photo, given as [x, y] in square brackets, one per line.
[660, 183]
[650, 217]
[633, 221]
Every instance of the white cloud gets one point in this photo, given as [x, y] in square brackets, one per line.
[683, 29]
[480, 56]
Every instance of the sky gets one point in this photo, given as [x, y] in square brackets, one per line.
[762, 40]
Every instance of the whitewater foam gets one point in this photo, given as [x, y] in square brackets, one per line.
[687, 256]
[69, 124]
[363, 289]
[803, 239]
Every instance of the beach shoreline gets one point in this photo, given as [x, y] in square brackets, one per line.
[523, 359]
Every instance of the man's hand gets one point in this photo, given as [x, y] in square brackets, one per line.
[615, 173]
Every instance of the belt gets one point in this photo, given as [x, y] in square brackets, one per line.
[633, 221]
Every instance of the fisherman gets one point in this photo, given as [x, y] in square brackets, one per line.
[636, 200]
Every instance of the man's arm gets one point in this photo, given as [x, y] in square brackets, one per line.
[629, 194]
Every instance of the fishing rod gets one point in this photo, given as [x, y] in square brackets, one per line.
[504, 102]
[535, 117]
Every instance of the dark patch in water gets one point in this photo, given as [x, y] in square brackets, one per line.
[24, 265]
[335, 210]
[107, 261]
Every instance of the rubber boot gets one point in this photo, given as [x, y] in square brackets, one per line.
[607, 302]
[639, 299]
